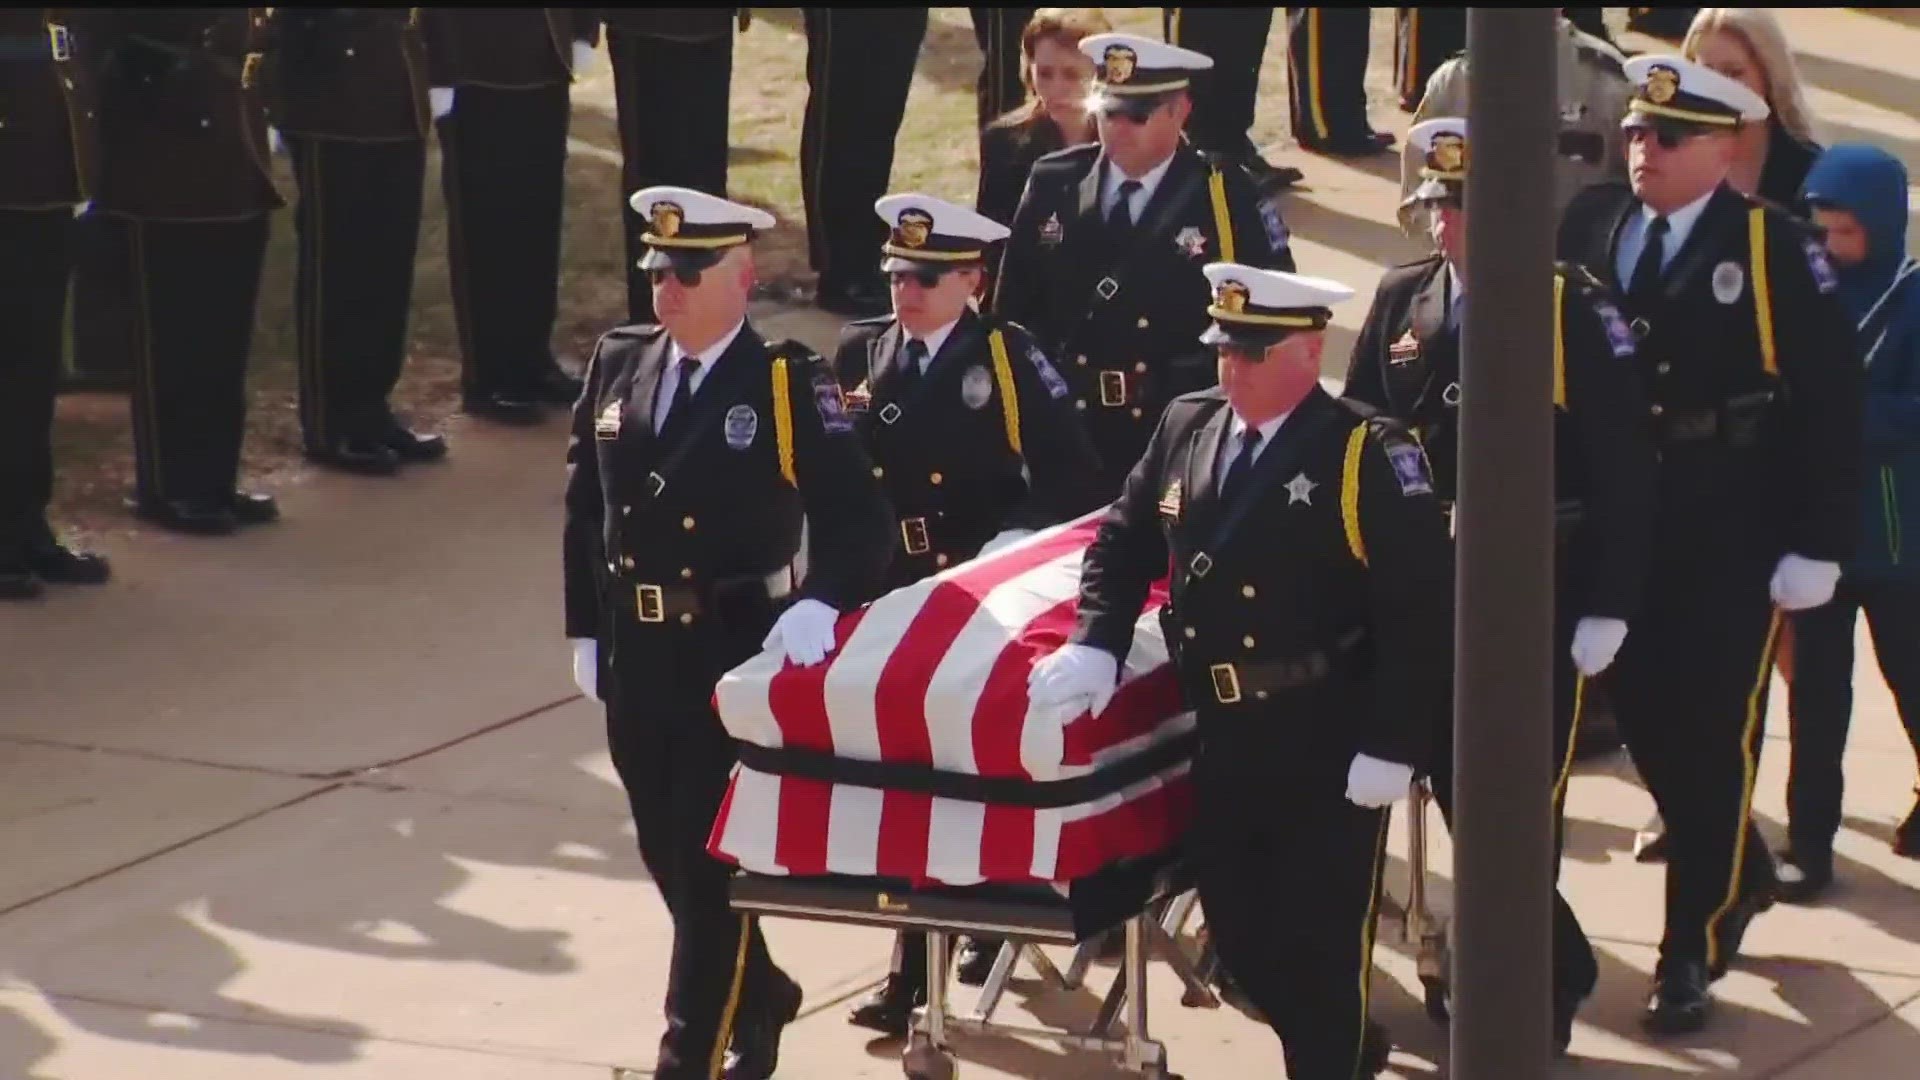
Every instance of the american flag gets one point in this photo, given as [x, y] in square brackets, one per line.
[936, 674]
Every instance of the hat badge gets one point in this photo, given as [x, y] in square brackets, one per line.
[665, 219]
[1231, 297]
[915, 226]
[1450, 152]
[1663, 83]
[1119, 62]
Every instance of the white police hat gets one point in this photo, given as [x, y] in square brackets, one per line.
[1128, 65]
[1256, 307]
[691, 228]
[1442, 144]
[1678, 91]
[929, 230]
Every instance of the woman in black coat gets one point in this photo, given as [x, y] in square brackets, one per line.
[1054, 116]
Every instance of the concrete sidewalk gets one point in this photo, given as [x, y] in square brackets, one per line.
[321, 800]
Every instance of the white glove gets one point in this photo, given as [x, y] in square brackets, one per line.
[1079, 675]
[1006, 538]
[274, 145]
[805, 632]
[440, 100]
[582, 56]
[1799, 584]
[81, 207]
[1373, 783]
[586, 666]
[1595, 642]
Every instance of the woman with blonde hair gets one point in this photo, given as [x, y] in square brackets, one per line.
[1748, 46]
[1058, 78]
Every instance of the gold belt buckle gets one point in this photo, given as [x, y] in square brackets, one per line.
[1226, 683]
[913, 534]
[249, 71]
[650, 603]
[1113, 388]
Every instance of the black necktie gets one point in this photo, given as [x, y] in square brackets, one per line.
[1242, 466]
[682, 396]
[910, 372]
[1120, 218]
[1647, 272]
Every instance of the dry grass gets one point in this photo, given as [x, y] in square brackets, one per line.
[935, 153]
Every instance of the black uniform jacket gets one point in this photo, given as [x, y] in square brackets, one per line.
[46, 111]
[505, 48]
[1322, 620]
[182, 121]
[1753, 377]
[1124, 318]
[673, 24]
[704, 519]
[961, 458]
[1406, 364]
[348, 73]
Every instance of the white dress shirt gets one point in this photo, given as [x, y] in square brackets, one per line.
[1633, 236]
[1456, 298]
[934, 340]
[1236, 430]
[670, 378]
[1110, 189]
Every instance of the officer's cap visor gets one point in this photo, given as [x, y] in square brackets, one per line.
[896, 264]
[1134, 107]
[1669, 129]
[1243, 335]
[1433, 192]
[658, 258]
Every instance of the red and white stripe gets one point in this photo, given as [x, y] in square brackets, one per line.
[936, 674]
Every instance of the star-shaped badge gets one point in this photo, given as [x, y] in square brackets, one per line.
[1299, 489]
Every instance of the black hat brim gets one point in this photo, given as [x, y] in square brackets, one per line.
[1244, 335]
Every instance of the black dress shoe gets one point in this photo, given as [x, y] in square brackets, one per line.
[192, 516]
[855, 299]
[1805, 873]
[364, 457]
[976, 961]
[1681, 1002]
[412, 446]
[1362, 145]
[555, 386]
[1376, 1046]
[1267, 177]
[756, 1041]
[511, 407]
[1566, 1005]
[889, 1009]
[1732, 927]
[253, 508]
[1906, 837]
[17, 583]
[1650, 847]
[56, 562]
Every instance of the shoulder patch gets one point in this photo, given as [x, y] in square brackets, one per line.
[1405, 455]
[1619, 332]
[1820, 265]
[830, 403]
[1278, 235]
[1050, 376]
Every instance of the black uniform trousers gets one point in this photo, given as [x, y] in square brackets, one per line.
[102, 301]
[1689, 693]
[1300, 950]
[1223, 98]
[34, 246]
[1327, 74]
[1821, 696]
[358, 224]
[1575, 970]
[860, 64]
[685, 145]
[1423, 39]
[503, 166]
[195, 284]
[673, 757]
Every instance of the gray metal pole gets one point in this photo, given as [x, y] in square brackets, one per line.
[1503, 839]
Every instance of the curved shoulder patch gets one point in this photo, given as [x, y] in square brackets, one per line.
[1404, 453]
[807, 368]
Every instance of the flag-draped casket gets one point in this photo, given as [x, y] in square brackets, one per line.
[914, 753]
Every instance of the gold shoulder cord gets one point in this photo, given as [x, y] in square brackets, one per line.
[1350, 492]
[1762, 287]
[1009, 398]
[783, 418]
[1559, 341]
[1222, 217]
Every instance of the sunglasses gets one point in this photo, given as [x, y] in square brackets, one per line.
[924, 276]
[686, 276]
[1132, 110]
[1667, 138]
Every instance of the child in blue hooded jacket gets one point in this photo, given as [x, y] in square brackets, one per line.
[1858, 194]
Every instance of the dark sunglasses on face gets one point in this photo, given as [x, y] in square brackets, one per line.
[1668, 138]
[1135, 112]
[924, 276]
[687, 276]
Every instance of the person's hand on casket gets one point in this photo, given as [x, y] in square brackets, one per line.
[1374, 783]
[1080, 676]
[1005, 538]
[804, 632]
[586, 666]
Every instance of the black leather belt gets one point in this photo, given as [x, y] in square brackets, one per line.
[1237, 681]
[684, 601]
[1119, 389]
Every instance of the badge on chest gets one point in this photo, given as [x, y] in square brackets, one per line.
[607, 426]
[1404, 351]
[1170, 501]
[742, 424]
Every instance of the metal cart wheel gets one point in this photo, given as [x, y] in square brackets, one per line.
[923, 1061]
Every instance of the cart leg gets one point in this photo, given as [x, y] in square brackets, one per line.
[1140, 1053]
[1421, 926]
[1038, 958]
[1197, 995]
[996, 984]
[1083, 956]
[926, 1056]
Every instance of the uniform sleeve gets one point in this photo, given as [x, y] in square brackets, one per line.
[1365, 382]
[1819, 360]
[1128, 554]
[1607, 404]
[1446, 96]
[1892, 414]
[1409, 585]
[849, 525]
[436, 30]
[850, 360]
[584, 532]
[1260, 234]
[1019, 288]
[1063, 468]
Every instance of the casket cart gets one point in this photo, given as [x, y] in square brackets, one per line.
[909, 784]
